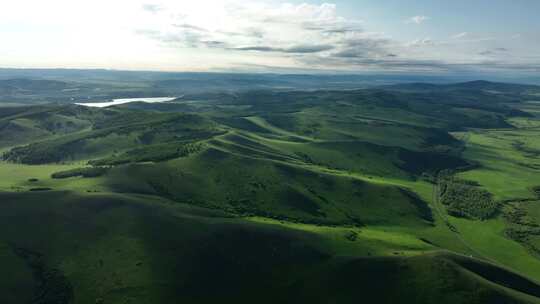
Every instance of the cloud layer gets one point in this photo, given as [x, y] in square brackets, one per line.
[262, 35]
[311, 36]
[306, 35]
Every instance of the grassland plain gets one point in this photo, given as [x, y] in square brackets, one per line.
[288, 197]
[507, 169]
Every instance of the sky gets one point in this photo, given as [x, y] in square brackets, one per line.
[351, 36]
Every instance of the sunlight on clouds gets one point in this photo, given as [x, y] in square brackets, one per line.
[229, 34]
[270, 32]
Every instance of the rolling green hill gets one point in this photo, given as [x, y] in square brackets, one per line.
[247, 186]
[422, 193]
[117, 248]
[114, 133]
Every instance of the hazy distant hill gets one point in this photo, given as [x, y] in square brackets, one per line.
[65, 85]
[482, 85]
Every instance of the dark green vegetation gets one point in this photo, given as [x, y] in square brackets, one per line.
[465, 199]
[87, 172]
[523, 226]
[270, 196]
[153, 153]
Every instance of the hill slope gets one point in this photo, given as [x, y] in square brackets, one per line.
[112, 248]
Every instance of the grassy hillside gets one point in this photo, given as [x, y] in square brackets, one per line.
[115, 248]
[242, 185]
[22, 125]
[115, 133]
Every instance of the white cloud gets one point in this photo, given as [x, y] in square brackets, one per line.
[460, 35]
[418, 19]
[153, 8]
[420, 42]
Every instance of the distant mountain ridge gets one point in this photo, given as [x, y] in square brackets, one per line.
[34, 86]
[482, 85]
[14, 85]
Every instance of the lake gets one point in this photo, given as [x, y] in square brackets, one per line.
[120, 101]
